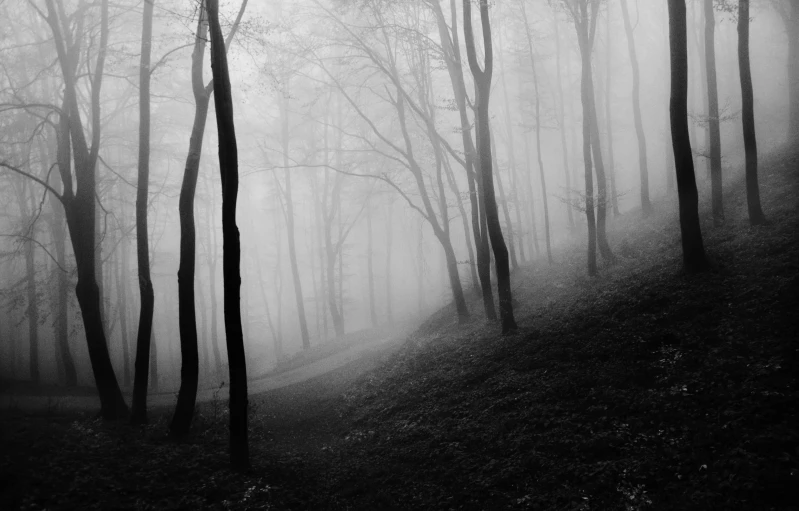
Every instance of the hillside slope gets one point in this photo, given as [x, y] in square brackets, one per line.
[643, 388]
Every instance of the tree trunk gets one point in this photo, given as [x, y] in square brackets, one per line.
[139, 404]
[586, 92]
[212, 241]
[713, 114]
[187, 316]
[614, 197]
[61, 324]
[504, 201]
[369, 268]
[646, 204]
[538, 135]
[519, 233]
[154, 380]
[473, 172]
[295, 271]
[693, 248]
[122, 292]
[756, 216]
[482, 79]
[202, 306]
[562, 123]
[792, 25]
[228, 163]
[389, 249]
[33, 308]
[80, 207]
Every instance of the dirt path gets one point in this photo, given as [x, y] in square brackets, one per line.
[269, 382]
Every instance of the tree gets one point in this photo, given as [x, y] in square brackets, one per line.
[482, 85]
[139, 401]
[538, 131]
[407, 108]
[79, 205]
[584, 15]
[756, 216]
[187, 319]
[452, 56]
[646, 204]
[693, 249]
[713, 114]
[228, 167]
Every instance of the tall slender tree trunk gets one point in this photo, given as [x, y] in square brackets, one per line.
[756, 216]
[61, 323]
[538, 135]
[389, 270]
[369, 266]
[643, 171]
[122, 294]
[187, 315]
[154, 379]
[80, 207]
[33, 305]
[473, 171]
[601, 177]
[713, 114]
[531, 203]
[504, 201]
[482, 79]
[792, 26]
[295, 271]
[562, 123]
[202, 306]
[139, 403]
[693, 248]
[519, 232]
[614, 197]
[586, 94]
[228, 163]
[213, 256]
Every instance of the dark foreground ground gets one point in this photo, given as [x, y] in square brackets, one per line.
[643, 388]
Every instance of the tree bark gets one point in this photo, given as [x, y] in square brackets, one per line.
[756, 216]
[228, 163]
[482, 79]
[693, 248]
[713, 114]
[139, 403]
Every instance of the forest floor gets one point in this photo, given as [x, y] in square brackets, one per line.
[642, 388]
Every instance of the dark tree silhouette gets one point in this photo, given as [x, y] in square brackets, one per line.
[482, 85]
[756, 215]
[142, 365]
[692, 246]
[187, 320]
[80, 204]
[231, 245]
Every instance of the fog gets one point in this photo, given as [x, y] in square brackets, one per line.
[337, 104]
